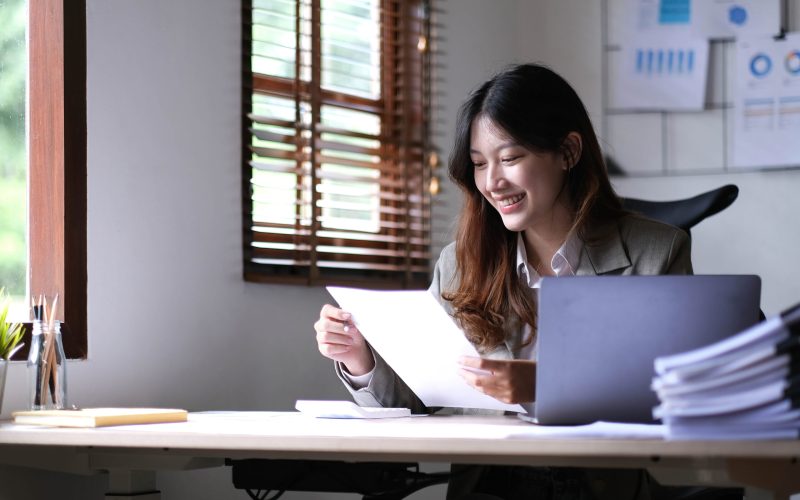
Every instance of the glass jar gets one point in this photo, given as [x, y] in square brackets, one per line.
[47, 368]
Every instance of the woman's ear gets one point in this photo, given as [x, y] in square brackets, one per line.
[572, 147]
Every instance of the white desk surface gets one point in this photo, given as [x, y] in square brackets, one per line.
[450, 437]
[208, 437]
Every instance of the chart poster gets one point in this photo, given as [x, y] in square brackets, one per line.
[663, 72]
[767, 103]
[716, 19]
[712, 19]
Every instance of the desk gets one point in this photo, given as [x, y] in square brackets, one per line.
[132, 454]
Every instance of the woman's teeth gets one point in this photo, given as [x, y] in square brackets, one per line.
[510, 201]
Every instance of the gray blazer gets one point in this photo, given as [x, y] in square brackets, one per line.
[635, 246]
[632, 246]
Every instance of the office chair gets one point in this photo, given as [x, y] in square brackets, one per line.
[685, 213]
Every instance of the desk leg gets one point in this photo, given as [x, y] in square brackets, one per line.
[132, 485]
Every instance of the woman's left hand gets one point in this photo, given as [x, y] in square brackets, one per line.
[507, 380]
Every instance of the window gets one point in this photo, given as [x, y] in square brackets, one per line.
[13, 163]
[336, 120]
[56, 105]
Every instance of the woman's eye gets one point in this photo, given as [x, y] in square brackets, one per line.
[510, 159]
[478, 164]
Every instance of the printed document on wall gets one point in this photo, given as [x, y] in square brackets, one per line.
[767, 103]
[735, 18]
[653, 17]
[663, 72]
[701, 18]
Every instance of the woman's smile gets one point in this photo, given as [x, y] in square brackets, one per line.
[510, 203]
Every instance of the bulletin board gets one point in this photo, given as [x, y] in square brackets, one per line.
[658, 142]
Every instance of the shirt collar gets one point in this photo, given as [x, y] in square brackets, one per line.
[564, 262]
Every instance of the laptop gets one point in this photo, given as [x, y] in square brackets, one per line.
[599, 335]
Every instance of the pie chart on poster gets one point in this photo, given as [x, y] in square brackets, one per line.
[792, 62]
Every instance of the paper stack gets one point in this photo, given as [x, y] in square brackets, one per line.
[744, 387]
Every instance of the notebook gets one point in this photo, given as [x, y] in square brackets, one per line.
[99, 417]
[598, 337]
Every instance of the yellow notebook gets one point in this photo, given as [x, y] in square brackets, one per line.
[99, 417]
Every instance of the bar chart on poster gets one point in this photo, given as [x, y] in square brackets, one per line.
[704, 86]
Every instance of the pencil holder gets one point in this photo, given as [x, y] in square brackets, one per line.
[47, 368]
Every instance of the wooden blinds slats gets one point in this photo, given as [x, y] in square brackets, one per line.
[334, 125]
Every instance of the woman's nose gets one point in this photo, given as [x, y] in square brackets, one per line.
[494, 176]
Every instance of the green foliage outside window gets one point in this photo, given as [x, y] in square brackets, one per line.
[13, 190]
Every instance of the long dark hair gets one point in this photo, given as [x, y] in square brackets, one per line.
[537, 108]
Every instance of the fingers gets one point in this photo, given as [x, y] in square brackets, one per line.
[332, 312]
[483, 366]
[336, 334]
[331, 350]
[332, 326]
[509, 381]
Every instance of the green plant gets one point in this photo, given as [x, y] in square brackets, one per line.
[10, 333]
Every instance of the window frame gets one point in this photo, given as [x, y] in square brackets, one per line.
[56, 122]
[397, 145]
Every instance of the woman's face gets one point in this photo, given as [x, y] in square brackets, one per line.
[524, 187]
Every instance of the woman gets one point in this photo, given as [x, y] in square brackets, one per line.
[537, 202]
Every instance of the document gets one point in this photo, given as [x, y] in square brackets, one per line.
[742, 387]
[767, 102]
[420, 341]
[667, 72]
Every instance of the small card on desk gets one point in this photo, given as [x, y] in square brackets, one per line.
[100, 417]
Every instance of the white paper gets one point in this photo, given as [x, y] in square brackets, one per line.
[654, 17]
[735, 18]
[667, 72]
[603, 430]
[771, 331]
[767, 103]
[420, 341]
[709, 19]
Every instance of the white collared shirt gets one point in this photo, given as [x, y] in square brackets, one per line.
[564, 262]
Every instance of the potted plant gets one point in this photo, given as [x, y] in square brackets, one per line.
[10, 337]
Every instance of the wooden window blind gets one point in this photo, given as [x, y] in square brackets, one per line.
[336, 123]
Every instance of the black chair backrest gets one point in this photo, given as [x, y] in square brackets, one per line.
[685, 213]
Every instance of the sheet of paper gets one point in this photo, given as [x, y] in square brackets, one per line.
[600, 430]
[420, 341]
[734, 18]
[710, 19]
[767, 103]
[297, 424]
[664, 72]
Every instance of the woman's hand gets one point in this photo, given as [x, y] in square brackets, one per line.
[509, 381]
[339, 339]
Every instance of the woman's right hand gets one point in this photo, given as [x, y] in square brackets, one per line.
[339, 339]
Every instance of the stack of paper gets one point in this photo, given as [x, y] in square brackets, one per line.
[744, 387]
